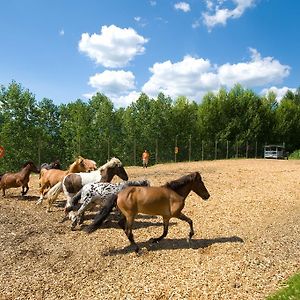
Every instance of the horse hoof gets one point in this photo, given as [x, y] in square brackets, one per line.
[153, 241]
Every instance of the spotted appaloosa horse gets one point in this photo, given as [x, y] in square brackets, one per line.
[21, 178]
[96, 193]
[167, 200]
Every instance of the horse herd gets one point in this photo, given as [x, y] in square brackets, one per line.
[85, 186]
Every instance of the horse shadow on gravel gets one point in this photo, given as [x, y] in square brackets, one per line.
[23, 198]
[175, 244]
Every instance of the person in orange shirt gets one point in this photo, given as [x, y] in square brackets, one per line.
[145, 158]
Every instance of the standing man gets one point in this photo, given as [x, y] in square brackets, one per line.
[145, 158]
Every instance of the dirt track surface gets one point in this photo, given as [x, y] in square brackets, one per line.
[247, 241]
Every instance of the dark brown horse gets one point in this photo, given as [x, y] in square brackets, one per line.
[21, 178]
[167, 200]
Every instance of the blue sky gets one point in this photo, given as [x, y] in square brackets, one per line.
[65, 50]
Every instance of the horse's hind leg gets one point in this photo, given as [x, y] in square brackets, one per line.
[189, 221]
[128, 231]
[165, 232]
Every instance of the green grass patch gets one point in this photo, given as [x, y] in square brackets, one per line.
[295, 155]
[290, 290]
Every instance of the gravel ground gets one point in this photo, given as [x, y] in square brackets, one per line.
[247, 241]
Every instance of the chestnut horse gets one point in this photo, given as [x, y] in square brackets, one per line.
[21, 178]
[49, 178]
[167, 201]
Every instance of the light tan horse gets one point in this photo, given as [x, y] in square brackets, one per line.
[167, 201]
[49, 178]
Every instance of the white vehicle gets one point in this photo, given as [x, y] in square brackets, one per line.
[274, 151]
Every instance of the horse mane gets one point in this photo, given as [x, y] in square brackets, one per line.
[113, 162]
[178, 183]
[29, 162]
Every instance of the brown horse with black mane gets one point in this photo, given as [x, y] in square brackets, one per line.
[167, 200]
[21, 178]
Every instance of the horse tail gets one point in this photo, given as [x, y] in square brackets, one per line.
[53, 193]
[74, 201]
[42, 172]
[107, 208]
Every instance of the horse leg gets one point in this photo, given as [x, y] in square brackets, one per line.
[42, 194]
[25, 189]
[165, 232]
[3, 192]
[190, 222]
[128, 232]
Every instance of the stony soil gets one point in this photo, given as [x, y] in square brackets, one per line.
[247, 241]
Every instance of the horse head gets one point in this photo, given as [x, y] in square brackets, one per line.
[113, 167]
[31, 167]
[86, 165]
[198, 186]
[55, 164]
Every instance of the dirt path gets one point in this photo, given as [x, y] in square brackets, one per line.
[247, 241]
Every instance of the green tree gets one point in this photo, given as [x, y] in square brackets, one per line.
[19, 128]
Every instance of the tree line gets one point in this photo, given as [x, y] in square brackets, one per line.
[43, 131]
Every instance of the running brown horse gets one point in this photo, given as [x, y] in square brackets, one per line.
[167, 200]
[49, 178]
[21, 178]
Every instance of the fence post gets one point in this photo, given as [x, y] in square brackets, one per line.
[156, 151]
[175, 149]
[216, 149]
[39, 151]
[227, 149]
[108, 148]
[255, 149]
[190, 147]
[134, 152]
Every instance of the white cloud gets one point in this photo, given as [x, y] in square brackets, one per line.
[256, 72]
[152, 3]
[114, 47]
[113, 82]
[279, 92]
[196, 24]
[188, 77]
[61, 32]
[184, 6]
[218, 14]
[194, 77]
[119, 86]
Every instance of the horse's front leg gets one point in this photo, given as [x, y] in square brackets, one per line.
[190, 222]
[25, 189]
[165, 231]
[3, 192]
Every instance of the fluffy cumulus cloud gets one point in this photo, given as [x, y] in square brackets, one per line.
[217, 12]
[193, 77]
[258, 71]
[117, 85]
[185, 7]
[114, 47]
[279, 92]
[188, 77]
